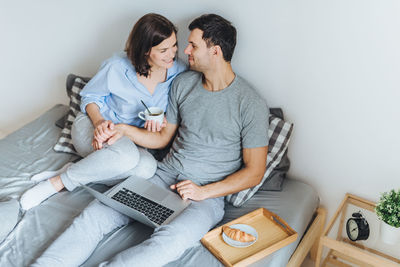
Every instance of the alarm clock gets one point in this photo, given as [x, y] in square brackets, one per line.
[357, 227]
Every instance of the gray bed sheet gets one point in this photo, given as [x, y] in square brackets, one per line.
[29, 150]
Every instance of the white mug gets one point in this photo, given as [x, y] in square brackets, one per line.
[157, 115]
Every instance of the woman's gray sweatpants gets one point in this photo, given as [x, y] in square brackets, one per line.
[166, 244]
[109, 164]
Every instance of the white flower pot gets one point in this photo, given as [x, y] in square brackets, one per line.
[389, 234]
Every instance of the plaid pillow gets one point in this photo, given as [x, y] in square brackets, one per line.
[74, 86]
[279, 136]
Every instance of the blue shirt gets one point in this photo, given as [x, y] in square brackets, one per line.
[117, 91]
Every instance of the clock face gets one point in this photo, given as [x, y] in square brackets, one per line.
[357, 228]
[352, 229]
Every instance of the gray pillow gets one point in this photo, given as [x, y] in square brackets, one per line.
[61, 121]
[275, 180]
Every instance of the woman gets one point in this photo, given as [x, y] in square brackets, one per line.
[114, 96]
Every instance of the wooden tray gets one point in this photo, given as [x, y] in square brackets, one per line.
[273, 234]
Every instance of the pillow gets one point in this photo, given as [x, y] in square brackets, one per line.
[275, 180]
[74, 86]
[279, 136]
[61, 121]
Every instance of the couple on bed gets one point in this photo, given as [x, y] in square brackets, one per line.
[219, 122]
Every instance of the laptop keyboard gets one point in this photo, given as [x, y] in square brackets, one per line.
[154, 211]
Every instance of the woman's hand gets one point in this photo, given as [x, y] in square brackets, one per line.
[189, 190]
[96, 145]
[153, 126]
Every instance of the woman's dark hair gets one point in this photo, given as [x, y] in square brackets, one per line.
[217, 31]
[149, 31]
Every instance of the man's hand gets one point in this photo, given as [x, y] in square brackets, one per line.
[118, 133]
[189, 190]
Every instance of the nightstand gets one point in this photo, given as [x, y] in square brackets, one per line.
[341, 251]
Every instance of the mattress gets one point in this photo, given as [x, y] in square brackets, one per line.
[29, 150]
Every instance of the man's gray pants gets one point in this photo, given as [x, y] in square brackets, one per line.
[166, 244]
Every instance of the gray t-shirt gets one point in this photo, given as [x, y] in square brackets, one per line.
[214, 127]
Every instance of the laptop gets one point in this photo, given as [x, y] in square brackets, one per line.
[143, 201]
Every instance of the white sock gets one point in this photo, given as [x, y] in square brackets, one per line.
[49, 174]
[37, 194]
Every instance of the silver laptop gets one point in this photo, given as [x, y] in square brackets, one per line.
[143, 201]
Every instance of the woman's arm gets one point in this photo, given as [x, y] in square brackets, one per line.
[94, 114]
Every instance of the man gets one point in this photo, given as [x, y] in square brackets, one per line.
[220, 149]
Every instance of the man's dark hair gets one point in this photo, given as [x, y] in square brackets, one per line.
[149, 31]
[217, 31]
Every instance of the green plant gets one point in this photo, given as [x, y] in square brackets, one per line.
[388, 208]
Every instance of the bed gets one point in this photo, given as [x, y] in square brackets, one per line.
[24, 236]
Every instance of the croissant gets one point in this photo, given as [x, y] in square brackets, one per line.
[238, 235]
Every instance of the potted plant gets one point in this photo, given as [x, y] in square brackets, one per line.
[388, 210]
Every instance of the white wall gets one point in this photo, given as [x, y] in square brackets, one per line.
[333, 66]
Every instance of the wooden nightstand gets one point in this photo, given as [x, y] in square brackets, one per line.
[343, 252]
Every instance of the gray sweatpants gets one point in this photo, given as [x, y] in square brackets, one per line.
[166, 244]
[108, 165]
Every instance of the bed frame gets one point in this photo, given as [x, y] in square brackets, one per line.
[310, 240]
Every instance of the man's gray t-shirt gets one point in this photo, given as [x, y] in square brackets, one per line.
[214, 127]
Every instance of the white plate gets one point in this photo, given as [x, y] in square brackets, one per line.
[237, 244]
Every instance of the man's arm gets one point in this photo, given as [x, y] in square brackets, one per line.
[254, 160]
[143, 137]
